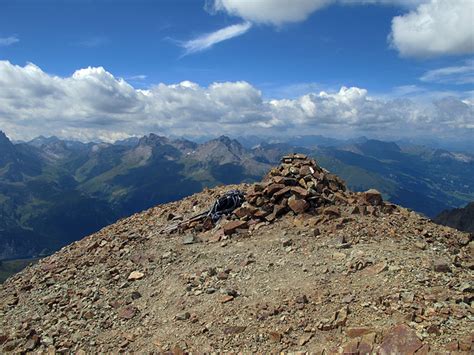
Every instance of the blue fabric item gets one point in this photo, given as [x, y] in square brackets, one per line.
[226, 204]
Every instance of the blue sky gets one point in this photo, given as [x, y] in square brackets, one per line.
[323, 46]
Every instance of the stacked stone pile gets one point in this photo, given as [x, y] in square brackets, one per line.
[297, 185]
[301, 187]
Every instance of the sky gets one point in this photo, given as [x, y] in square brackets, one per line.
[107, 70]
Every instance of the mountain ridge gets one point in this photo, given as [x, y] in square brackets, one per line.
[459, 218]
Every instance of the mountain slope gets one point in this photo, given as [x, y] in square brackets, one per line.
[459, 218]
[348, 273]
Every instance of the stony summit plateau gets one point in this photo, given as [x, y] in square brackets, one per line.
[303, 265]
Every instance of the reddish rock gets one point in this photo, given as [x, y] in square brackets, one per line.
[306, 170]
[279, 210]
[271, 189]
[226, 298]
[232, 226]
[372, 197]
[400, 339]
[282, 192]
[365, 345]
[441, 265]
[452, 346]
[424, 350]
[466, 344]
[351, 347]
[261, 214]
[234, 329]
[301, 192]
[332, 211]
[217, 236]
[127, 312]
[298, 206]
[275, 337]
[354, 332]
[246, 211]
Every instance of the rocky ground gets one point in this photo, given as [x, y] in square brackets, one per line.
[303, 265]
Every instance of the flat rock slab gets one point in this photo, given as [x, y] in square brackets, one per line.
[400, 339]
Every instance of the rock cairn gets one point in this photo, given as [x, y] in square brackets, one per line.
[298, 185]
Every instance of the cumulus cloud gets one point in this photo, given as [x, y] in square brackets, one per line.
[280, 12]
[8, 41]
[208, 40]
[276, 12]
[461, 74]
[94, 104]
[440, 27]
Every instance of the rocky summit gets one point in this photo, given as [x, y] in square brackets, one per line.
[302, 265]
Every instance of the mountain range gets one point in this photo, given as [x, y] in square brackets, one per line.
[53, 191]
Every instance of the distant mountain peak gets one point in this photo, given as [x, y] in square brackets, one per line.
[4, 139]
[153, 140]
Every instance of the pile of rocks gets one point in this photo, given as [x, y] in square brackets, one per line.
[297, 185]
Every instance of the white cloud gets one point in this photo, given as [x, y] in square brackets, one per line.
[440, 27]
[208, 40]
[8, 41]
[430, 28]
[92, 103]
[461, 74]
[276, 12]
[280, 12]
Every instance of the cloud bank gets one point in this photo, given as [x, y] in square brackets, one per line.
[93, 104]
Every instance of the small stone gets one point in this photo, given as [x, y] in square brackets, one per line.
[420, 245]
[136, 295]
[316, 232]
[286, 242]
[298, 206]
[304, 339]
[183, 316]
[222, 275]
[373, 197]
[189, 239]
[234, 329]
[301, 299]
[275, 336]
[301, 192]
[127, 312]
[231, 227]
[332, 211]
[32, 343]
[135, 275]
[226, 298]
[441, 265]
